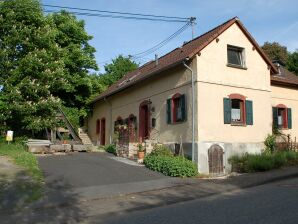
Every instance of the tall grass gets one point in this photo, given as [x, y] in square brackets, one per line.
[263, 162]
[20, 156]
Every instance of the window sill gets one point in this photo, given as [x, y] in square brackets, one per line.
[238, 124]
[237, 66]
[177, 122]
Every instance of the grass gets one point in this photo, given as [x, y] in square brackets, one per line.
[24, 190]
[249, 163]
[20, 156]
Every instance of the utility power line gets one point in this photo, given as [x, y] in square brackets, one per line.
[153, 49]
[115, 12]
[161, 44]
[118, 16]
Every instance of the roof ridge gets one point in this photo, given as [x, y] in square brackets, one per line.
[209, 31]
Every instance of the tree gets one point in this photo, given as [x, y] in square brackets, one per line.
[78, 58]
[292, 63]
[276, 52]
[29, 65]
[117, 69]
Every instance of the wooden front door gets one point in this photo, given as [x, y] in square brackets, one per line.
[144, 121]
[103, 131]
[215, 159]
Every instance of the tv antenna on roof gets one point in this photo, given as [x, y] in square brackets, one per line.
[192, 21]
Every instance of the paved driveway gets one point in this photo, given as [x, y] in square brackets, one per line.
[89, 169]
[94, 175]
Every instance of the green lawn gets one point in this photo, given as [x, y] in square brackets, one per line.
[23, 158]
[20, 191]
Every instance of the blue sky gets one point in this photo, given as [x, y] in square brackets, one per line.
[266, 20]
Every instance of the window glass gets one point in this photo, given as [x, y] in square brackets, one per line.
[281, 112]
[236, 110]
[178, 108]
[235, 56]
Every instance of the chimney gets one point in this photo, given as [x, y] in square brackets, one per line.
[156, 60]
[278, 67]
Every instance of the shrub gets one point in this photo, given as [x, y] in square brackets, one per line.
[270, 143]
[263, 162]
[292, 158]
[170, 165]
[259, 163]
[162, 150]
[111, 149]
[238, 163]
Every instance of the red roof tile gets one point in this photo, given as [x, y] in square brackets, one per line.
[177, 56]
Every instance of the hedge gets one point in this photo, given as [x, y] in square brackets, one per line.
[170, 165]
[262, 162]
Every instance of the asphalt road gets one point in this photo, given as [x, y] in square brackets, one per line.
[92, 169]
[271, 203]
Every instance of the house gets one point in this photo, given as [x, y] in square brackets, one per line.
[215, 96]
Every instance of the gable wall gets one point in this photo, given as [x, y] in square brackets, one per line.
[216, 81]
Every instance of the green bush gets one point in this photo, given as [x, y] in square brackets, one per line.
[270, 143]
[259, 163]
[263, 162]
[162, 150]
[292, 158]
[111, 149]
[170, 165]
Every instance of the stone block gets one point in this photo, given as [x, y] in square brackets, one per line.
[38, 149]
[61, 148]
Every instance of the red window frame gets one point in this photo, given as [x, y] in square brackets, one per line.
[284, 111]
[242, 99]
[175, 98]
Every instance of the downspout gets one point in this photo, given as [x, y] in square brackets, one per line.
[110, 133]
[193, 110]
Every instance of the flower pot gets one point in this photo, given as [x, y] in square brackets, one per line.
[141, 154]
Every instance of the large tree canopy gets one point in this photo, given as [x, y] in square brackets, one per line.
[30, 65]
[276, 52]
[44, 64]
[292, 63]
[78, 58]
[117, 69]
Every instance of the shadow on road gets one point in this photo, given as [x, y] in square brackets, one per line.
[57, 205]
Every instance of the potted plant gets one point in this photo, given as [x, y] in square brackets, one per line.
[141, 151]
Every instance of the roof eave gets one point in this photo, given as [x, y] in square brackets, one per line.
[286, 84]
[139, 80]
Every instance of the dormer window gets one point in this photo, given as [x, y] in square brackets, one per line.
[236, 56]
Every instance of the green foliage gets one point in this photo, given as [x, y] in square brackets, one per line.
[117, 69]
[292, 63]
[276, 52]
[30, 63]
[44, 64]
[111, 149]
[75, 86]
[263, 162]
[270, 143]
[161, 150]
[170, 165]
[23, 158]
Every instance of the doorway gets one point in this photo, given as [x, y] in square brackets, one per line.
[215, 159]
[103, 131]
[144, 121]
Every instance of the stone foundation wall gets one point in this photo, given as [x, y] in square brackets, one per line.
[131, 150]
